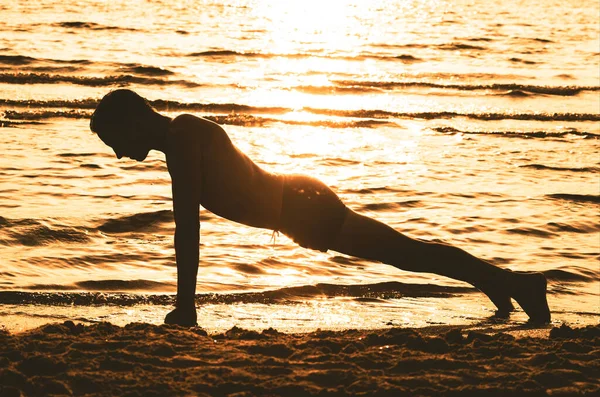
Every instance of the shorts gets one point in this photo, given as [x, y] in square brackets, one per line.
[311, 213]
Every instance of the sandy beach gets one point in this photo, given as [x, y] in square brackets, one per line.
[148, 360]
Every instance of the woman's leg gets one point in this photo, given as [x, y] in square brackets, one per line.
[367, 238]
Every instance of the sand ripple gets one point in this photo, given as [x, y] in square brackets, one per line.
[143, 359]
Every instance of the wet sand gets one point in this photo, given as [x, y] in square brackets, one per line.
[148, 360]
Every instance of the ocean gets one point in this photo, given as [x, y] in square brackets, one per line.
[475, 123]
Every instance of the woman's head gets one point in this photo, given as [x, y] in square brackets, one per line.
[123, 120]
[118, 109]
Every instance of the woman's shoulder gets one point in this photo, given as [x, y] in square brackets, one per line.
[186, 126]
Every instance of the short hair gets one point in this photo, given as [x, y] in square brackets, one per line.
[117, 108]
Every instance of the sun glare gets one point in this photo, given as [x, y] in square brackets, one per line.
[327, 25]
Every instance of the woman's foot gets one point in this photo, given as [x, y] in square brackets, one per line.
[530, 293]
[503, 304]
[184, 317]
[499, 297]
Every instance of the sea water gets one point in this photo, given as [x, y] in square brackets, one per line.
[469, 122]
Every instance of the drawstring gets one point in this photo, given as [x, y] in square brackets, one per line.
[274, 237]
[276, 231]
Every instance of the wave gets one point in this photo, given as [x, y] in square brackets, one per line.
[372, 119]
[123, 285]
[29, 232]
[21, 60]
[90, 26]
[11, 123]
[459, 46]
[225, 53]
[578, 198]
[220, 54]
[385, 290]
[516, 94]
[238, 119]
[45, 78]
[53, 69]
[107, 285]
[42, 65]
[289, 295]
[531, 231]
[77, 154]
[385, 189]
[576, 227]
[16, 60]
[454, 46]
[148, 75]
[376, 114]
[254, 121]
[523, 61]
[523, 88]
[32, 232]
[8, 223]
[147, 70]
[573, 274]
[540, 40]
[406, 58]
[521, 134]
[28, 117]
[161, 104]
[158, 104]
[567, 169]
[80, 298]
[502, 88]
[565, 76]
[74, 65]
[390, 205]
[332, 89]
[136, 222]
